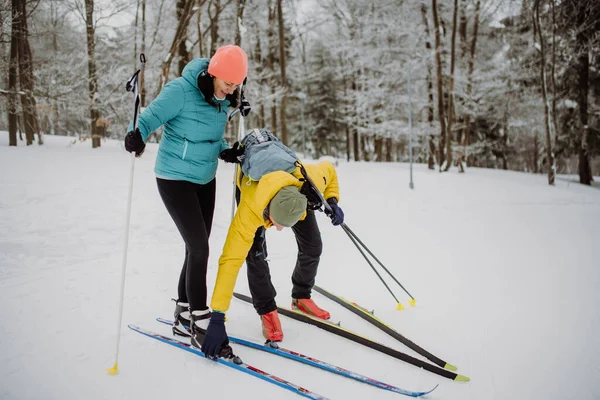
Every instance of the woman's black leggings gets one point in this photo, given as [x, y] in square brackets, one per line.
[191, 206]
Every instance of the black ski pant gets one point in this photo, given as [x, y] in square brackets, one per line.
[310, 246]
[191, 207]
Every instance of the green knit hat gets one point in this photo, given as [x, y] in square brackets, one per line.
[288, 206]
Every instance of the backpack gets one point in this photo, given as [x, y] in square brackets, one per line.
[264, 153]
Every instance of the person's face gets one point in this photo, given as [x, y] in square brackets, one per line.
[276, 225]
[223, 88]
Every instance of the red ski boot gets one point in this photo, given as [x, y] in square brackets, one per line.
[308, 306]
[271, 327]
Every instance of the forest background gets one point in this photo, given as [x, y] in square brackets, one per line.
[511, 84]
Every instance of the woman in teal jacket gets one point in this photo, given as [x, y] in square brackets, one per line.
[193, 110]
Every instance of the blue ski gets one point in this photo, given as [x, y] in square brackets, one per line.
[293, 355]
[248, 369]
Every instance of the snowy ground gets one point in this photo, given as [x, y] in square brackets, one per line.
[504, 268]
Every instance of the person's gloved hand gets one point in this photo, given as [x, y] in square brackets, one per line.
[234, 154]
[245, 107]
[244, 104]
[216, 336]
[336, 214]
[134, 142]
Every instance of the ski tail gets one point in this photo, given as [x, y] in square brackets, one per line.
[337, 330]
[243, 367]
[372, 319]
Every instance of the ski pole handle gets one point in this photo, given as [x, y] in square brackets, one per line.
[133, 86]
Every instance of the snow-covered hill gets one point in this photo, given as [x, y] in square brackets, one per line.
[504, 269]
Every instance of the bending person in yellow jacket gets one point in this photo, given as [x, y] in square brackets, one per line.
[275, 200]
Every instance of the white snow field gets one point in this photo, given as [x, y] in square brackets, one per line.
[504, 269]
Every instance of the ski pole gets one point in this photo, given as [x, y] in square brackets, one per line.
[241, 133]
[399, 305]
[131, 86]
[354, 236]
[355, 240]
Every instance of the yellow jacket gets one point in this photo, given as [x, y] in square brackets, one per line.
[254, 199]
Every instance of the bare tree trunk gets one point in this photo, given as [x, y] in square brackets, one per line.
[378, 148]
[505, 129]
[466, 138]
[214, 26]
[283, 107]
[26, 79]
[451, 112]
[238, 23]
[199, 29]
[135, 33]
[462, 30]
[348, 134]
[259, 62]
[547, 117]
[92, 78]
[271, 62]
[583, 71]
[180, 33]
[182, 51]
[585, 171]
[440, 89]
[143, 50]
[364, 142]
[536, 152]
[429, 108]
[553, 66]
[389, 144]
[355, 135]
[12, 76]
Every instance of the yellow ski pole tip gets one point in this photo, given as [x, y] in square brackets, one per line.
[114, 370]
[462, 378]
[412, 302]
[450, 367]
[399, 306]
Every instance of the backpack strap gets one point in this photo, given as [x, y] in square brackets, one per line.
[314, 197]
[259, 137]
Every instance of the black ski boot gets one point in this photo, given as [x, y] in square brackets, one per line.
[181, 324]
[199, 323]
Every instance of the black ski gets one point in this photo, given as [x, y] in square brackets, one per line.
[330, 327]
[369, 317]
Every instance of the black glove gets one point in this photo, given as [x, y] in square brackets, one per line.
[245, 107]
[215, 337]
[336, 214]
[234, 154]
[244, 104]
[134, 142]
[313, 196]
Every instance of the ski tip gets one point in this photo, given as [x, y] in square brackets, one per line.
[412, 302]
[429, 391]
[450, 367]
[114, 370]
[462, 378]
[399, 307]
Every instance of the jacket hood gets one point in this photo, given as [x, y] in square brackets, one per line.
[193, 69]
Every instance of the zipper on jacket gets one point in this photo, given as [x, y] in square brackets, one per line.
[185, 144]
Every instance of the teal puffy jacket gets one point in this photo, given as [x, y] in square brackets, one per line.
[193, 129]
